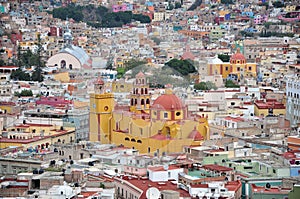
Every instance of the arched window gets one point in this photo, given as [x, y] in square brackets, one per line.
[135, 101]
[70, 66]
[131, 102]
[136, 91]
[132, 140]
[139, 141]
[148, 101]
[143, 81]
[142, 102]
[63, 64]
[142, 91]
[127, 139]
[146, 91]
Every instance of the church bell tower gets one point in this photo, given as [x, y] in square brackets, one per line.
[101, 109]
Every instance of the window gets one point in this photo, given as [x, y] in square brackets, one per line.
[165, 115]
[169, 174]
[178, 113]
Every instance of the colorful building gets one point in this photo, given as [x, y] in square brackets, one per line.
[157, 128]
[236, 69]
[36, 136]
[268, 107]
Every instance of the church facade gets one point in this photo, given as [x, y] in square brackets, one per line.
[163, 126]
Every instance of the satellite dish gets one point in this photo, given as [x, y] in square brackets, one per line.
[152, 193]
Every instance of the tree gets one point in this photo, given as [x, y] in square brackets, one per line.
[170, 6]
[177, 5]
[156, 40]
[132, 63]
[2, 62]
[20, 75]
[24, 93]
[226, 1]
[184, 67]
[205, 86]
[278, 4]
[231, 84]
[224, 57]
[195, 5]
[37, 75]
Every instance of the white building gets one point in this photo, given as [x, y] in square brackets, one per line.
[293, 100]
[164, 173]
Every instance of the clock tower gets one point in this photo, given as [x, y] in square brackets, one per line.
[101, 108]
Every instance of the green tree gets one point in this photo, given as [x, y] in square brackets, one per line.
[184, 67]
[24, 93]
[278, 4]
[177, 5]
[224, 57]
[205, 86]
[141, 18]
[37, 75]
[226, 1]
[156, 40]
[2, 62]
[231, 84]
[170, 6]
[120, 72]
[132, 63]
[102, 185]
[20, 75]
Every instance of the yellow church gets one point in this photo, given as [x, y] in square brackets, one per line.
[237, 68]
[162, 126]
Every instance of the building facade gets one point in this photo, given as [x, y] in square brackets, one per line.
[156, 128]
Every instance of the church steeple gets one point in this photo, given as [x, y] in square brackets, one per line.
[140, 97]
[68, 38]
[99, 86]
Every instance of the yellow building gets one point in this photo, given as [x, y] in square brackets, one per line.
[290, 8]
[121, 86]
[268, 107]
[37, 136]
[159, 127]
[9, 107]
[237, 68]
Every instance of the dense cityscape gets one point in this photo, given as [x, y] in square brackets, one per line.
[130, 99]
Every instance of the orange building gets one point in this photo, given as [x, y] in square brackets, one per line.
[293, 142]
[194, 34]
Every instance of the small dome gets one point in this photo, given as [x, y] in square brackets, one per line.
[238, 57]
[99, 81]
[168, 102]
[196, 135]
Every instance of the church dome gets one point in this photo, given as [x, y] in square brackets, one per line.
[238, 58]
[168, 102]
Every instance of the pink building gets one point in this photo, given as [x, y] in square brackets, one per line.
[259, 19]
[119, 8]
[122, 7]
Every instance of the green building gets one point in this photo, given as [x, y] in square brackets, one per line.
[295, 193]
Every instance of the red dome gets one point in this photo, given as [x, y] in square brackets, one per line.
[99, 81]
[237, 56]
[196, 135]
[168, 102]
